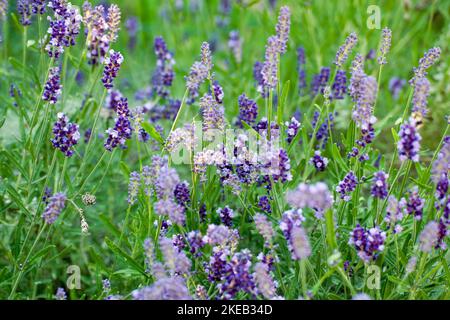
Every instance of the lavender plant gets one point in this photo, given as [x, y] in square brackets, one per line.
[273, 159]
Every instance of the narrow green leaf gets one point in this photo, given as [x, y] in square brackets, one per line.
[125, 257]
[150, 129]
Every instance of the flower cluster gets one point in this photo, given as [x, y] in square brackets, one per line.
[163, 75]
[368, 243]
[320, 81]
[318, 161]
[248, 110]
[430, 57]
[197, 75]
[415, 204]
[394, 212]
[421, 93]
[55, 205]
[235, 45]
[122, 130]
[24, 10]
[347, 186]
[102, 28]
[345, 49]
[315, 196]
[301, 62]
[112, 67]
[64, 27]
[53, 88]
[409, 143]
[66, 135]
[379, 186]
[264, 227]
[339, 87]
[385, 45]
[226, 215]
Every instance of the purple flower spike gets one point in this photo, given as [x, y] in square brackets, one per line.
[112, 67]
[248, 110]
[301, 62]
[430, 57]
[368, 243]
[226, 215]
[385, 45]
[421, 93]
[282, 28]
[319, 162]
[269, 70]
[339, 88]
[409, 143]
[379, 186]
[24, 10]
[345, 49]
[56, 204]
[53, 88]
[347, 186]
[66, 135]
[415, 204]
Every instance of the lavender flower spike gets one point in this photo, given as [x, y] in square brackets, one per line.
[314, 196]
[345, 49]
[206, 57]
[235, 45]
[385, 45]
[264, 227]
[24, 10]
[441, 165]
[347, 186]
[379, 186]
[283, 27]
[197, 75]
[52, 89]
[248, 110]
[66, 135]
[429, 237]
[363, 111]
[270, 68]
[425, 63]
[264, 281]
[112, 67]
[409, 143]
[56, 204]
[299, 244]
[133, 187]
[421, 93]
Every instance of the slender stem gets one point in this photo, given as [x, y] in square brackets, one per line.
[86, 155]
[104, 173]
[24, 53]
[19, 276]
[183, 102]
[124, 225]
[89, 175]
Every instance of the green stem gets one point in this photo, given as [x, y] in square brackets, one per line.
[23, 267]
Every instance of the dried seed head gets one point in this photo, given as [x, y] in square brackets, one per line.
[88, 199]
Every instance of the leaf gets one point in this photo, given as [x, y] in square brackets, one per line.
[248, 127]
[282, 103]
[14, 164]
[40, 253]
[125, 169]
[27, 69]
[150, 129]
[395, 135]
[17, 199]
[125, 257]
[337, 156]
